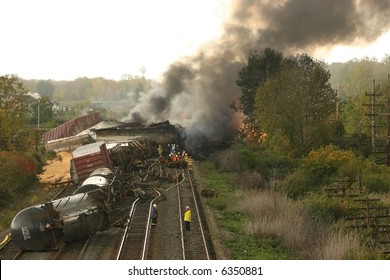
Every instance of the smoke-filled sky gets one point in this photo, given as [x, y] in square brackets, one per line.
[67, 39]
[194, 47]
[197, 90]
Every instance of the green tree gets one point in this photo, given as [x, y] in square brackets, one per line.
[296, 105]
[45, 110]
[260, 67]
[45, 88]
[14, 110]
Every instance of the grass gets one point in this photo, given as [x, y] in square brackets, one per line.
[264, 224]
[240, 244]
[34, 195]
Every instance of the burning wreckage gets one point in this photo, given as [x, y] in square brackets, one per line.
[96, 143]
[106, 170]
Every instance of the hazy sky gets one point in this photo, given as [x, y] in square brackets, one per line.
[67, 39]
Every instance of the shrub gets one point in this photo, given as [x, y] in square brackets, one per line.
[325, 208]
[271, 165]
[226, 160]
[249, 180]
[376, 178]
[320, 168]
[300, 183]
[17, 173]
[330, 162]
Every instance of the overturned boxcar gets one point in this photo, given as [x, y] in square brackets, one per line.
[162, 133]
[87, 158]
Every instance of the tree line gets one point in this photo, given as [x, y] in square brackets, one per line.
[288, 103]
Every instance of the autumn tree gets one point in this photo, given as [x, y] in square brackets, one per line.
[296, 104]
[14, 111]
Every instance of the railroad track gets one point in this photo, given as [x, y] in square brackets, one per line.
[195, 242]
[169, 240]
[72, 250]
[131, 237]
[135, 239]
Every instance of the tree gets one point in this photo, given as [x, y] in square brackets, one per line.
[45, 110]
[296, 105]
[261, 66]
[14, 111]
[45, 88]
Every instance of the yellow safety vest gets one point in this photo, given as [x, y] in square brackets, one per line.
[187, 216]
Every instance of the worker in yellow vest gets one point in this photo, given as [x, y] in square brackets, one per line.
[187, 218]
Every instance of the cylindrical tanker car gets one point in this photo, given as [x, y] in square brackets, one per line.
[46, 226]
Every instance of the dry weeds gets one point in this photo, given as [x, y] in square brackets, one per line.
[272, 214]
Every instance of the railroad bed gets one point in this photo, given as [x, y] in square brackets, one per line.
[168, 240]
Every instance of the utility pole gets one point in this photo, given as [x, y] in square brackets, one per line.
[373, 99]
[373, 115]
[38, 111]
[388, 122]
[337, 102]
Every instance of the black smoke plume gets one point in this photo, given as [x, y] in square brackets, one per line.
[197, 91]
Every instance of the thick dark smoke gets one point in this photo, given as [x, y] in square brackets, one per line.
[197, 91]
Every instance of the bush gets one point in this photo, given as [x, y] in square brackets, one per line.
[17, 173]
[376, 178]
[249, 180]
[331, 162]
[226, 160]
[321, 168]
[272, 166]
[300, 183]
[325, 208]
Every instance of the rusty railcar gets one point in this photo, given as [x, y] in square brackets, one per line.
[87, 158]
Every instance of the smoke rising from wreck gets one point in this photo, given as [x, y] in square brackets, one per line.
[196, 91]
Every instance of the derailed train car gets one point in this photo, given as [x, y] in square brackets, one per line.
[161, 133]
[46, 226]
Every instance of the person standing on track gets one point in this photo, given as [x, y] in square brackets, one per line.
[187, 218]
[154, 214]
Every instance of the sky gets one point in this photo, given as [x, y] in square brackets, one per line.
[64, 40]
[46, 39]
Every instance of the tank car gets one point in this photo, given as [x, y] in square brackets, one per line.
[46, 226]
[99, 178]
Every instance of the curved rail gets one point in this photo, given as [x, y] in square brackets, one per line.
[131, 214]
[148, 226]
[140, 228]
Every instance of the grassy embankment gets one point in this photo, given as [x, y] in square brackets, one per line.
[265, 224]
